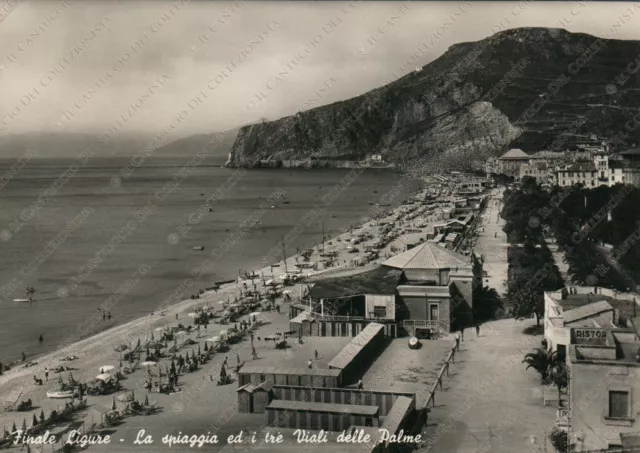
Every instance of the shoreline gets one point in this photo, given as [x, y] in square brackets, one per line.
[142, 326]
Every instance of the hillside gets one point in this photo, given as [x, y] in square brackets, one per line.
[529, 88]
[193, 144]
[69, 145]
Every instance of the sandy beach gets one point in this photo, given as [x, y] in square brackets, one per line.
[98, 350]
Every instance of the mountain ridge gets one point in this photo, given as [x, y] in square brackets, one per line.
[466, 105]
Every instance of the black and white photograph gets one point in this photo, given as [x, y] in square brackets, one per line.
[349, 226]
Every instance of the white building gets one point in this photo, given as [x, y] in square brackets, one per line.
[584, 307]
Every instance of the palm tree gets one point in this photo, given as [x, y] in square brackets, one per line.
[487, 303]
[541, 360]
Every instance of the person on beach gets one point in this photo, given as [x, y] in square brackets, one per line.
[360, 385]
[462, 334]
[477, 330]
[109, 315]
[40, 339]
[1, 369]
[24, 357]
[310, 364]
[46, 374]
[316, 354]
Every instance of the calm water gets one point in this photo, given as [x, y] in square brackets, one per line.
[109, 209]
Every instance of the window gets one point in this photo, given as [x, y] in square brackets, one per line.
[618, 404]
[379, 312]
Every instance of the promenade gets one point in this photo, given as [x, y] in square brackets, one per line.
[492, 244]
[491, 404]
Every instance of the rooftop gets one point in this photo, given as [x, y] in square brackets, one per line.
[354, 347]
[514, 153]
[581, 166]
[353, 409]
[586, 311]
[381, 280]
[288, 371]
[428, 255]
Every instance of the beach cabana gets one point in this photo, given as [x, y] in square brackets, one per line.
[254, 399]
[327, 416]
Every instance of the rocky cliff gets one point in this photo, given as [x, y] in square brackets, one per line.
[532, 88]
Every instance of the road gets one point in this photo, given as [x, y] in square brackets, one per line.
[492, 244]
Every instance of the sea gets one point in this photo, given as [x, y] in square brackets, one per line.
[122, 233]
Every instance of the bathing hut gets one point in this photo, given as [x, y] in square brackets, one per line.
[315, 416]
[253, 399]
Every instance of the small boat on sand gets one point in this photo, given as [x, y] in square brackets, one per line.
[21, 300]
[60, 395]
[198, 247]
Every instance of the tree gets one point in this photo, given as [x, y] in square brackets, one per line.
[559, 439]
[486, 303]
[541, 360]
[528, 302]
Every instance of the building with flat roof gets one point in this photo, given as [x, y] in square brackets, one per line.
[584, 307]
[604, 388]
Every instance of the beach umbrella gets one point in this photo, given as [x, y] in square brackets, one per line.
[148, 363]
[223, 373]
[192, 315]
[24, 425]
[104, 377]
[13, 427]
[213, 339]
[106, 368]
[35, 420]
[146, 399]
[42, 416]
[152, 335]
[113, 404]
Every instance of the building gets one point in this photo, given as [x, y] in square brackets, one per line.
[584, 173]
[604, 388]
[472, 185]
[359, 354]
[584, 307]
[509, 163]
[437, 285]
[344, 306]
[602, 170]
[315, 416]
[631, 161]
[418, 291]
[540, 171]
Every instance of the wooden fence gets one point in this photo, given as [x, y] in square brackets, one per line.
[451, 358]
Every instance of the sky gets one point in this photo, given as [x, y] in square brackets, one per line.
[202, 67]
